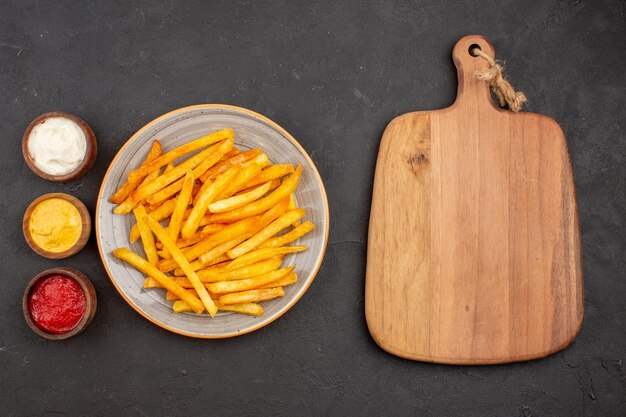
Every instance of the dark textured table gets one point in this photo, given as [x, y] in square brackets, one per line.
[333, 75]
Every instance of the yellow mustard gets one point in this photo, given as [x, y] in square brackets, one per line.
[55, 225]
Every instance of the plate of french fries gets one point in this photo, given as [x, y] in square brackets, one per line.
[212, 221]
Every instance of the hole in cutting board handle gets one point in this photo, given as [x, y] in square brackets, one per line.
[471, 49]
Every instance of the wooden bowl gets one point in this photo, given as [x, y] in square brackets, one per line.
[90, 302]
[90, 152]
[84, 234]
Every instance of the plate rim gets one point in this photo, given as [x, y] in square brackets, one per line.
[326, 225]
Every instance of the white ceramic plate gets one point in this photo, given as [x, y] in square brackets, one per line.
[174, 129]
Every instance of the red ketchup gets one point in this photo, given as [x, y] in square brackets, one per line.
[56, 303]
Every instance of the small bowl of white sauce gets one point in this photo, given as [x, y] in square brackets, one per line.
[59, 146]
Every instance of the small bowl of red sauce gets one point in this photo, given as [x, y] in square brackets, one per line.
[59, 303]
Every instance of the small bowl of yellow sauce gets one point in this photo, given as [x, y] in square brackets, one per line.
[56, 225]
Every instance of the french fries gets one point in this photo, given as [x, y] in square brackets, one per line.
[205, 196]
[289, 237]
[128, 187]
[263, 220]
[271, 173]
[289, 279]
[146, 267]
[259, 206]
[247, 172]
[227, 233]
[178, 256]
[182, 201]
[292, 205]
[225, 287]
[270, 230]
[261, 254]
[224, 165]
[175, 187]
[219, 250]
[164, 180]
[252, 296]
[259, 268]
[174, 154]
[222, 248]
[163, 212]
[252, 309]
[179, 171]
[240, 200]
[147, 239]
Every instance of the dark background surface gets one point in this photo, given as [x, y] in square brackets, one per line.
[333, 76]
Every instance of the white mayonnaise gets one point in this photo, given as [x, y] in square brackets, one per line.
[58, 145]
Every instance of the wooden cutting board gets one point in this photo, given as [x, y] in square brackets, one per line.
[474, 245]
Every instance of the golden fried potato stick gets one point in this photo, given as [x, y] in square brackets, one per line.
[176, 186]
[283, 282]
[198, 236]
[259, 206]
[217, 272]
[261, 254]
[197, 265]
[292, 206]
[231, 153]
[268, 265]
[147, 268]
[252, 296]
[274, 184]
[147, 239]
[205, 196]
[226, 287]
[261, 160]
[221, 167]
[271, 173]
[246, 308]
[208, 242]
[151, 176]
[170, 296]
[176, 153]
[182, 201]
[289, 237]
[148, 179]
[178, 256]
[180, 170]
[168, 168]
[184, 243]
[264, 219]
[251, 309]
[240, 200]
[162, 181]
[218, 251]
[207, 221]
[128, 187]
[244, 176]
[150, 282]
[163, 212]
[211, 228]
[267, 232]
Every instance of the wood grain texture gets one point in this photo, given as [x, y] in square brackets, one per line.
[474, 246]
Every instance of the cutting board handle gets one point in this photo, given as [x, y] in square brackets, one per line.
[472, 92]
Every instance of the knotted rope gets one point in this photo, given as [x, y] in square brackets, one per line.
[504, 91]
